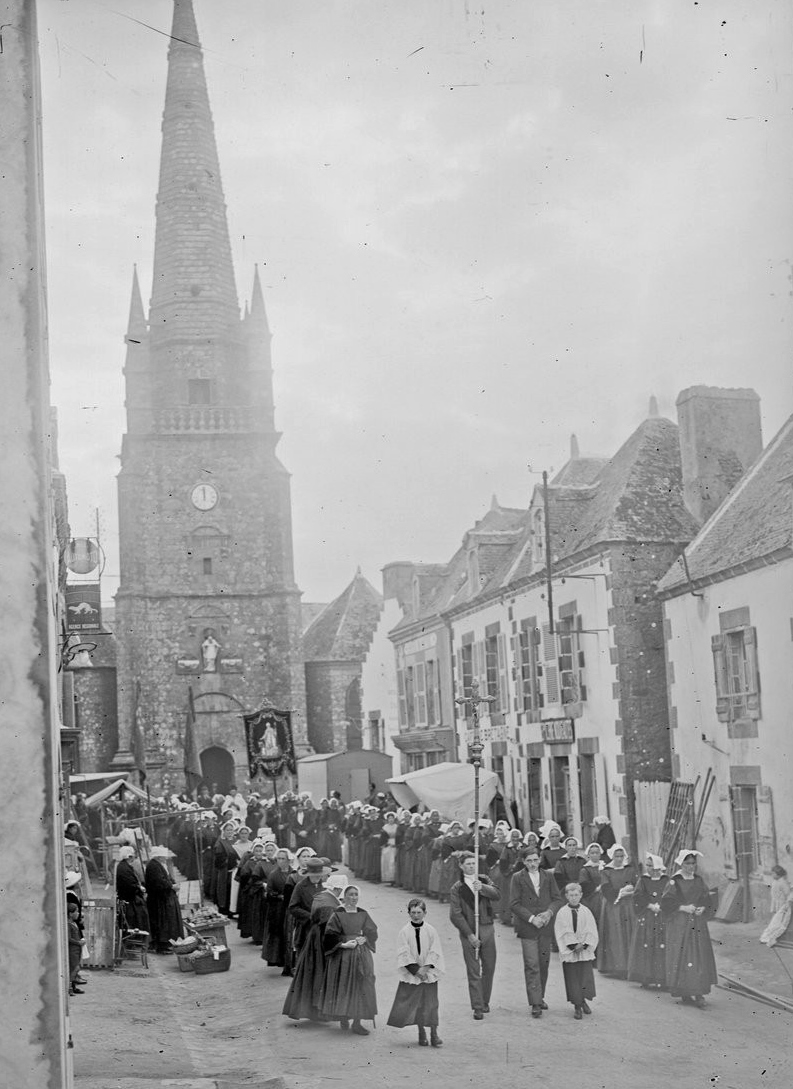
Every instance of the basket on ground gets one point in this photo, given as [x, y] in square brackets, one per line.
[205, 965]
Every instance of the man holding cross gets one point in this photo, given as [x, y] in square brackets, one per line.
[479, 953]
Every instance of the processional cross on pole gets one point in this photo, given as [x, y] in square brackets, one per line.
[475, 750]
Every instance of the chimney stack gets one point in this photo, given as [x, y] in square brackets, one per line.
[720, 437]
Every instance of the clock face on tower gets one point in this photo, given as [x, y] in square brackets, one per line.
[204, 496]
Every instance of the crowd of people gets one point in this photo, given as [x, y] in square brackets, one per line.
[273, 869]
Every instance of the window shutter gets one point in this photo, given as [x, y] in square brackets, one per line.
[421, 693]
[457, 686]
[719, 649]
[551, 684]
[753, 680]
[548, 644]
[503, 688]
[514, 648]
[401, 693]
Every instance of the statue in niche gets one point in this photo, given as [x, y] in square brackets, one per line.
[209, 652]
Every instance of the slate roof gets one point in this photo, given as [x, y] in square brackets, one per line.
[344, 628]
[637, 495]
[753, 522]
[494, 534]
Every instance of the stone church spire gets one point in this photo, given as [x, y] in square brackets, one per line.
[194, 295]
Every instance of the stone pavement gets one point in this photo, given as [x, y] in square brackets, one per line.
[740, 955]
[137, 1029]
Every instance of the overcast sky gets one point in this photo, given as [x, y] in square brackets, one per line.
[480, 228]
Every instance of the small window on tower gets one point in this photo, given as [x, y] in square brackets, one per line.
[199, 391]
[207, 565]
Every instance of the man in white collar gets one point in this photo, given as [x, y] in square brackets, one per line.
[534, 900]
[479, 953]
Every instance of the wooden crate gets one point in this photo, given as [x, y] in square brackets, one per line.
[99, 920]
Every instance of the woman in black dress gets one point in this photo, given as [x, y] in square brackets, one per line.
[277, 893]
[617, 921]
[131, 891]
[567, 869]
[349, 941]
[165, 915]
[647, 962]
[589, 879]
[686, 904]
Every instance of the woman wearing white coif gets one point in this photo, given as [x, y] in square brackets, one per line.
[647, 963]
[589, 878]
[617, 920]
[686, 904]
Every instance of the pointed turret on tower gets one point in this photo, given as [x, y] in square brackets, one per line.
[136, 365]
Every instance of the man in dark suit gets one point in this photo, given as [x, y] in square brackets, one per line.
[479, 953]
[318, 870]
[534, 900]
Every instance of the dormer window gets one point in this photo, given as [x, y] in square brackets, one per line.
[473, 570]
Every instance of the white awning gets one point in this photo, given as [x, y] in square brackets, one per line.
[447, 787]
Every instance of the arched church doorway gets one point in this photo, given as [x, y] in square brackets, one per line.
[217, 767]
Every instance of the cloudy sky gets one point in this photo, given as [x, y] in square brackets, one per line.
[480, 227]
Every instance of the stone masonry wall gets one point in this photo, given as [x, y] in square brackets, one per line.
[637, 617]
[326, 703]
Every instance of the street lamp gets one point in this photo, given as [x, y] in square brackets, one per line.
[475, 750]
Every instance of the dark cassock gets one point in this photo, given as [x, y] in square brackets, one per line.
[416, 999]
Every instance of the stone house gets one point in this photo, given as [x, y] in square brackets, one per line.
[426, 685]
[727, 607]
[335, 646]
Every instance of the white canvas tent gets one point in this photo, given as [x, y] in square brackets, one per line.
[114, 788]
[448, 787]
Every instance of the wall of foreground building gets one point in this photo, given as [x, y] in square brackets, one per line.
[33, 1041]
[753, 753]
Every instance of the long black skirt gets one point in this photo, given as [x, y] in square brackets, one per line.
[579, 981]
[415, 1004]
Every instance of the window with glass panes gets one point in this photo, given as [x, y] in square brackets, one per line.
[530, 667]
[571, 660]
[491, 663]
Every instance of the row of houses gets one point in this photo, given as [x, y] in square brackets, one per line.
[621, 625]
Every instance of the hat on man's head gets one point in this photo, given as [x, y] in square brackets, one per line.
[318, 864]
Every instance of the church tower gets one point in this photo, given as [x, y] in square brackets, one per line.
[207, 599]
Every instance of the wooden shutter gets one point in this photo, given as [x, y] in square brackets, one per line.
[718, 646]
[753, 680]
[551, 667]
[503, 687]
[421, 693]
[403, 718]
[517, 676]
